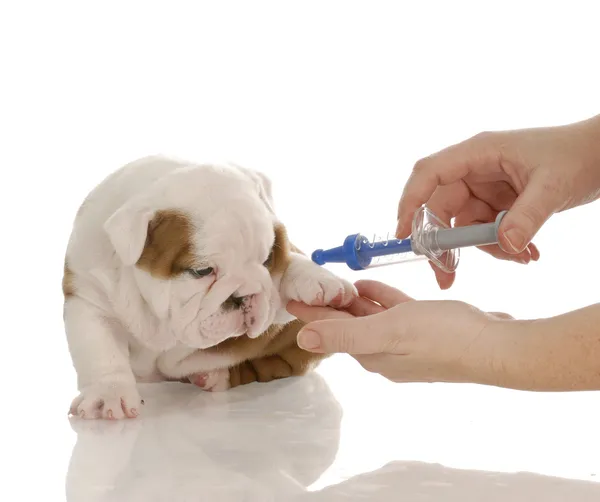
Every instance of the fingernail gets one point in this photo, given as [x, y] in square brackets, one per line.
[309, 340]
[515, 239]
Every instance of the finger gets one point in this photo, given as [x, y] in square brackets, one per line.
[426, 177]
[358, 335]
[476, 212]
[361, 307]
[543, 196]
[497, 252]
[535, 252]
[498, 195]
[447, 201]
[501, 315]
[443, 168]
[381, 293]
[309, 313]
[444, 279]
[531, 253]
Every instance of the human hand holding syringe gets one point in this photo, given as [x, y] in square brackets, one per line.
[531, 174]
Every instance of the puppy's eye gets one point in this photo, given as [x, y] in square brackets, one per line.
[269, 261]
[202, 272]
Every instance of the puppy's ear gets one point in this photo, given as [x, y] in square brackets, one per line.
[265, 190]
[263, 185]
[127, 230]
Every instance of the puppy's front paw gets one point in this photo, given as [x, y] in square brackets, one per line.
[308, 283]
[212, 381]
[110, 401]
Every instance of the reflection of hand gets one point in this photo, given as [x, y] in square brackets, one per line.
[402, 339]
[531, 172]
[421, 481]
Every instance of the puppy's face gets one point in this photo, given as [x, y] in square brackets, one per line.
[207, 253]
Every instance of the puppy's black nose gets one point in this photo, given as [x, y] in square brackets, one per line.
[235, 302]
[238, 301]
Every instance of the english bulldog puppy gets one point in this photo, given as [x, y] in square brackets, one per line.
[182, 271]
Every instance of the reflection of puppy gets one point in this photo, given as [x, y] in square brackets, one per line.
[176, 270]
[196, 446]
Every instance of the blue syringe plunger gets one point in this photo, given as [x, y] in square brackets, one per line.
[358, 252]
[430, 239]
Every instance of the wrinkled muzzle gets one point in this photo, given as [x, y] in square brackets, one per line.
[256, 302]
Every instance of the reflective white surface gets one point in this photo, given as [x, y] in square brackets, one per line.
[340, 435]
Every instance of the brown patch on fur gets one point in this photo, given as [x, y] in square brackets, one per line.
[273, 355]
[67, 282]
[169, 250]
[279, 259]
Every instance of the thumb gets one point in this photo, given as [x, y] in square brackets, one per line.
[358, 335]
[541, 198]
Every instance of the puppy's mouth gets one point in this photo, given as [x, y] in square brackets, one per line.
[248, 308]
[232, 319]
[221, 314]
[254, 309]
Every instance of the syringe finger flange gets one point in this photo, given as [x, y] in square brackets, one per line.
[425, 227]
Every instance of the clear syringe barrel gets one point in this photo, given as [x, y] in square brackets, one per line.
[378, 250]
[430, 239]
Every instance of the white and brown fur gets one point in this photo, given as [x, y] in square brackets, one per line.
[133, 310]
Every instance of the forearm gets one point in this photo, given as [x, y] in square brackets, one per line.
[591, 142]
[561, 353]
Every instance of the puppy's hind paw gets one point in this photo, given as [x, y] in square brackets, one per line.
[212, 381]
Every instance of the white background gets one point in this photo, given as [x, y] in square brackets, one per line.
[335, 101]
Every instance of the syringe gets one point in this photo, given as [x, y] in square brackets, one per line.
[430, 239]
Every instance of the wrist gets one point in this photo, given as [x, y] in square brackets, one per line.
[538, 355]
[499, 355]
[590, 150]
